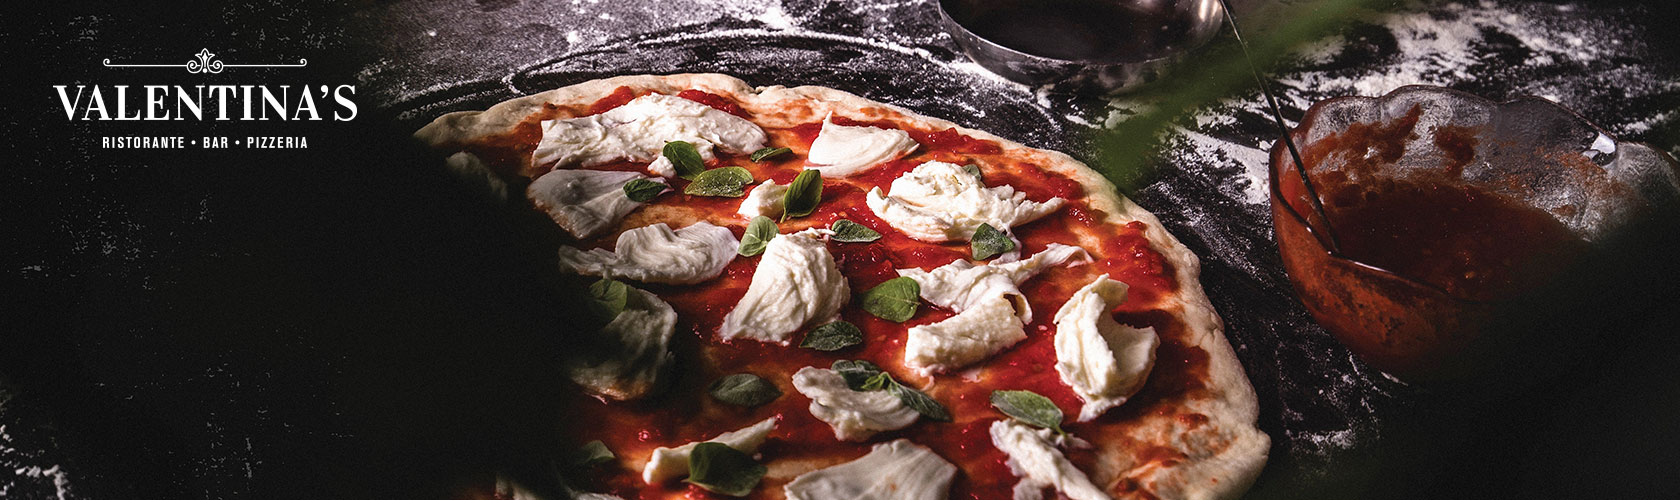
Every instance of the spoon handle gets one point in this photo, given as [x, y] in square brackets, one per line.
[1288, 139]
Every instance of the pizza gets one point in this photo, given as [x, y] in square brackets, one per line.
[806, 294]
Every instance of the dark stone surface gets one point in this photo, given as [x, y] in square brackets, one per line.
[347, 321]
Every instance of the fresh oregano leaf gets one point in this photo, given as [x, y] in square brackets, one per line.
[725, 181]
[759, 233]
[895, 300]
[989, 242]
[974, 170]
[919, 401]
[767, 153]
[846, 231]
[643, 190]
[744, 389]
[591, 454]
[856, 373]
[802, 195]
[684, 158]
[611, 296]
[723, 470]
[1030, 408]
[833, 337]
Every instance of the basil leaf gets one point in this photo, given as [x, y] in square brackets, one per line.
[643, 190]
[759, 233]
[877, 382]
[1030, 408]
[856, 373]
[974, 170]
[610, 296]
[802, 195]
[862, 375]
[833, 337]
[896, 300]
[744, 389]
[762, 154]
[989, 242]
[723, 470]
[846, 231]
[919, 401]
[724, 181]
[684, 158]
[591, 454]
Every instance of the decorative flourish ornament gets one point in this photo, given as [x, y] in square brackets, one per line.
[206, 62]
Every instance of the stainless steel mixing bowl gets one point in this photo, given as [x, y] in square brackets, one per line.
[1103, 46]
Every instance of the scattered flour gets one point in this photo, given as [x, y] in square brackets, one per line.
[1647, 124]
[775, 18]
[1255, 161]
[1441, 46]
[1500, 50]
[1570, 54]
[1496, 49]
[60, 478]
[16, 461]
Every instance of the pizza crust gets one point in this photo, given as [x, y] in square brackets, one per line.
[1228, 452]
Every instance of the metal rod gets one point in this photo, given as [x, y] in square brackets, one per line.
[1288, 139]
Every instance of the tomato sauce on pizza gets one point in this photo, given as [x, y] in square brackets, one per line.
[1126, 437]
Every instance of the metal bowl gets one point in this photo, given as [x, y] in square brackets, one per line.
[1104, 46]
[1615, 201]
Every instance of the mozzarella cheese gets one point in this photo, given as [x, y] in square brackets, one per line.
[967, 338]
[765, 200]
[662, 167]
[938, 202]
[584, 202]
[796, 285]
[842, 151]
[961, 284]
[633, 350]
[656, 254]
[1038, 463]
[991, 312]
[899, 470]
[638, 131]
[1104, 361]
[671, 463]
[854, 415]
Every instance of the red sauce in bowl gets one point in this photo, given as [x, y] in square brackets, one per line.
[1431, 225]
[1435, 275]
[1470, 242]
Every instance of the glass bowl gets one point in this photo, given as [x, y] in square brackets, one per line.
[1469, 240]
